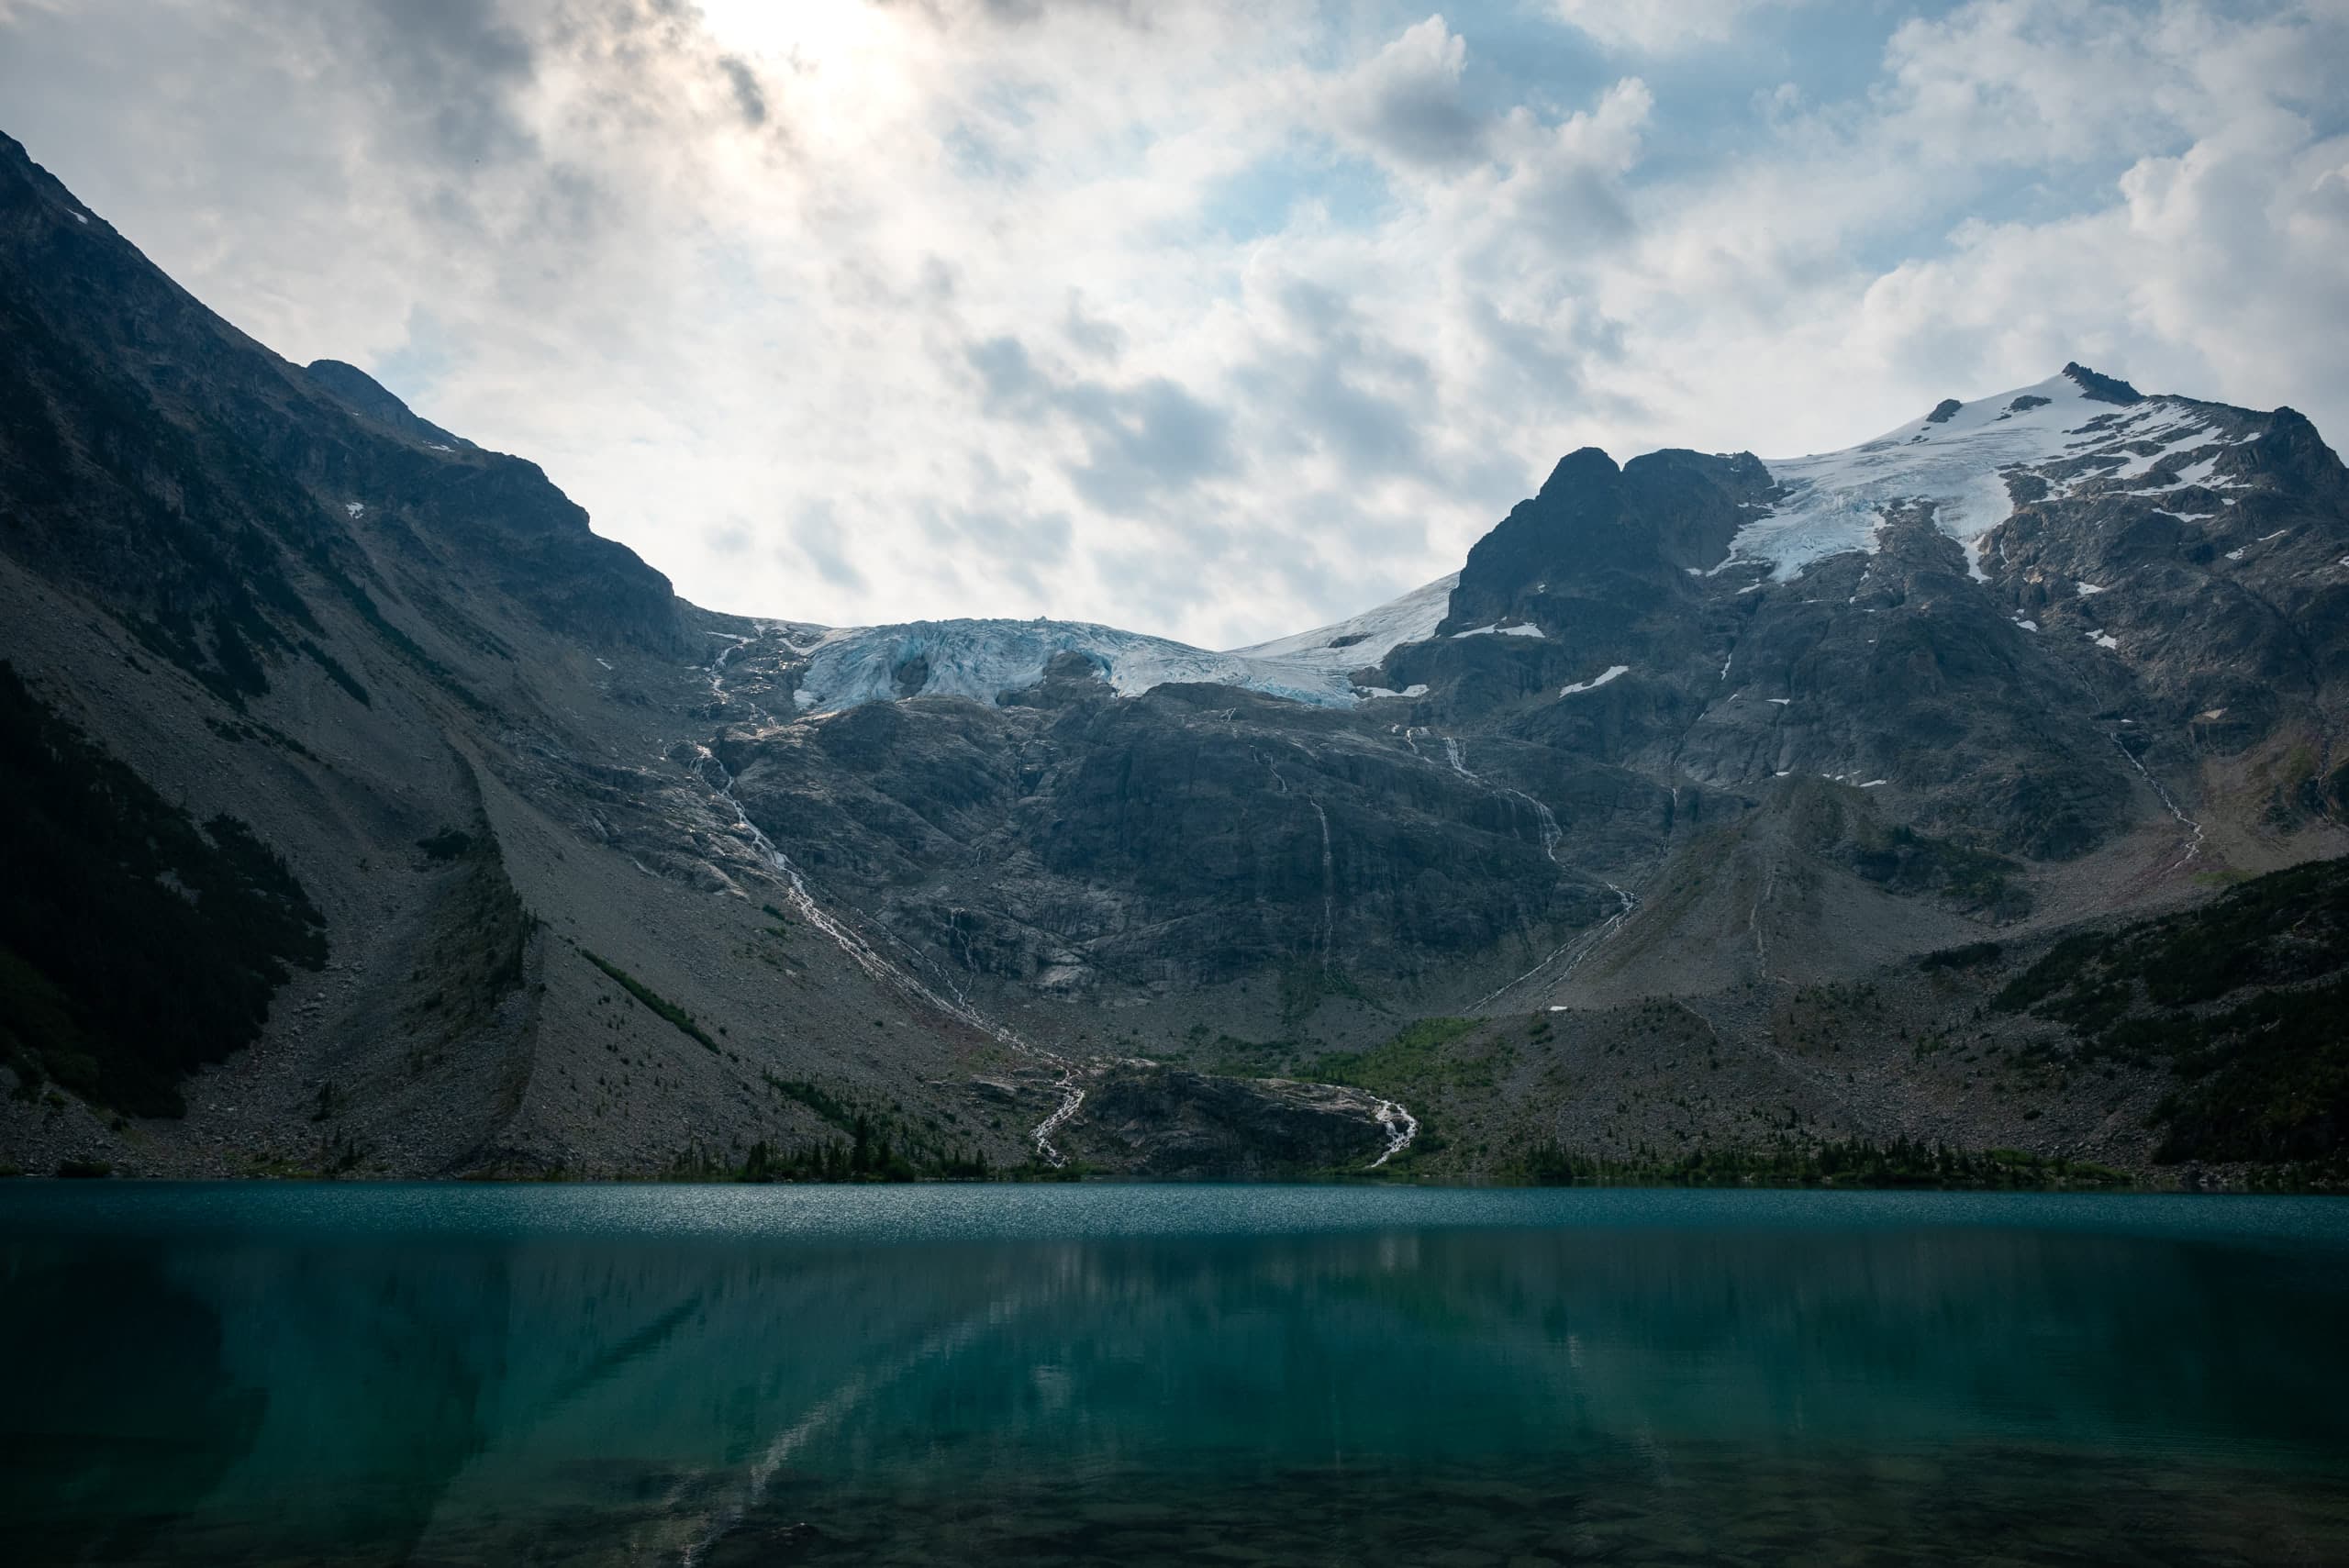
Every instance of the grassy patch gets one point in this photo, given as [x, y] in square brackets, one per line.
[1304, 987]
[823, 1102]
[1973, 955]
[448, 844]
[477, 943]
[1232, 1057]
[337, 673]
[1905, 860]
[675, 1015]
[1414, 1060]
[876, 1148]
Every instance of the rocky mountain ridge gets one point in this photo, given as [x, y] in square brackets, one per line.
[608, 884]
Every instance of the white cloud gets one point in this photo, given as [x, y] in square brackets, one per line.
[1405, 103]
[1215, 321]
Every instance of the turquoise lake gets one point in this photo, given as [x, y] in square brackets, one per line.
[265, 1373]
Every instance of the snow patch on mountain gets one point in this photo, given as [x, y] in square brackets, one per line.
[988, 659]
[1612, 672]
[1836, 501]
[1364, 638]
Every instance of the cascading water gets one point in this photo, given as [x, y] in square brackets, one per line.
[2194, 843]
[803, 903]
[1584, 943]
[1401, 1126]
[1329, 884]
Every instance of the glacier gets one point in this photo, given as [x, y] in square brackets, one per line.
[1364, 638]
[1958, 459]
[988, 659]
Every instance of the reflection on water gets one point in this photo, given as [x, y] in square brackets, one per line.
[1618, 1377]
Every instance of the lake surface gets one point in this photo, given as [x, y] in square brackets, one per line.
[730, 1375]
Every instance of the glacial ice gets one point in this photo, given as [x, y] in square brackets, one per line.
[1837, 500]
[985, 660]
[1364, 638]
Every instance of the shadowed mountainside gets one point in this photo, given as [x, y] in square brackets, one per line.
[1680, 778]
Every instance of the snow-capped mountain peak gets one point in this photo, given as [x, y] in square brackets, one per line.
[2074, 428]
[2076, 434]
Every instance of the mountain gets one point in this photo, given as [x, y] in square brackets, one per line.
[367, 812]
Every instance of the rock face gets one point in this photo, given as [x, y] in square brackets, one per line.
[611, 884]
[161, 458]
[1192, 836]
[1172, 1125]
[363, 395]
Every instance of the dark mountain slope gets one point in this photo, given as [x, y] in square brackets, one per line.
[414, 680]
[135, 946]
[1699, 756]
[364, 395]
[159, 457]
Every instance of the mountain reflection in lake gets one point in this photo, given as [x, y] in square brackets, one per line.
[728, 1376]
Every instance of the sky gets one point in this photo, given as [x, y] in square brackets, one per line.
[1216, 321]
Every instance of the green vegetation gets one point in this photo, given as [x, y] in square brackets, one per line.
[872, 1152]
[1235, 1058]
[237, 731]
[321, 559]
[1908, 862]
[1414, 1061]
[1973, 955]
[1826, 1018]
[337, 673]
[2263, 1079]
[448, 844]
[880, 1147]
[477, 946]
[1304, 986]
[816, 1098]
[676, 1017]
[98, 870]
[1791, 1160]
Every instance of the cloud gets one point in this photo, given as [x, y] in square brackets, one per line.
[749, 96]
[1405, 100]
[1145, 442]
[1213, 319]
[1101, 340]
[820, 540]
[1342, 388]
[1140, 443]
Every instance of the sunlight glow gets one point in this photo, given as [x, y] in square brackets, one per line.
[820, 35]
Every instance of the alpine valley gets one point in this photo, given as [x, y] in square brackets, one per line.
[1960, 806]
